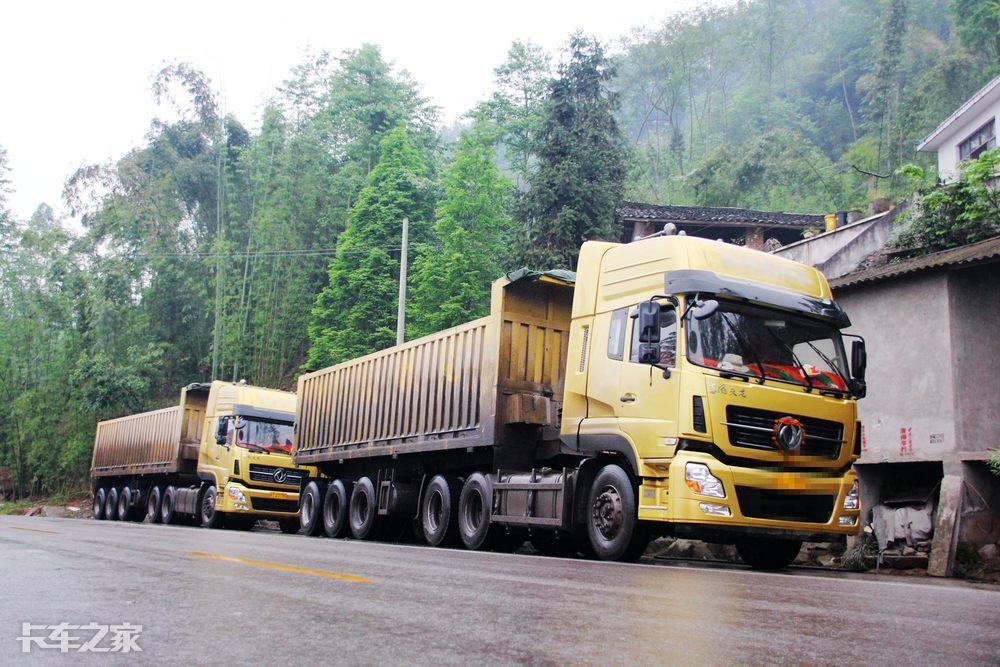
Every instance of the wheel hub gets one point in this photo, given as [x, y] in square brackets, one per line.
[607, 512]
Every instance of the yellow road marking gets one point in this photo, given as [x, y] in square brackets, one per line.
[36, 530]
[283, 568]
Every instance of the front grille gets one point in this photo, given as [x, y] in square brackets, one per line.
[749, 427]
[259, 473]
[781, 505]
[272, 505]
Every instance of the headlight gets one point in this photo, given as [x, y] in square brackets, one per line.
[852, 500]
[237, 495]
[700, 479]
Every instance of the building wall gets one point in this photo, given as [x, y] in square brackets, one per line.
[975, 342]
[908, 414]
[948, 152]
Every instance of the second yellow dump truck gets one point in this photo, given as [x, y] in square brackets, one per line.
[674, 385]
[222, 456]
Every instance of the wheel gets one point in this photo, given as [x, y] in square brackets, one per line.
[289, 526]
[311, 510]
[111, 504]
[439, 511]
[335, 509]
[768, 554]
[210, 517]
[154, 501]
[168, 505]
[474, 508]
[361, 513]
[613, 522]
[124, 503]
[100, 496]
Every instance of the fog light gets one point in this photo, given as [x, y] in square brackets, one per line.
[236, 494]
[852, 500]
[715, 509]
[847, 520]
[700, 479]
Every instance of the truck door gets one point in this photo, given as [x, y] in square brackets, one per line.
[647, 402]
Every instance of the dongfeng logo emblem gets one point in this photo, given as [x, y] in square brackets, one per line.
[280, 476]
[789, 434]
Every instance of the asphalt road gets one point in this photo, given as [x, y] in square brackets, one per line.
[251, 598]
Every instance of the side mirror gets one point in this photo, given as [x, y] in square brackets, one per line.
[649, 325]
[859, 360]
[222, 431]
[649, 353]
[705, 309]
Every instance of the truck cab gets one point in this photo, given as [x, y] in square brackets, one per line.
[245, 453]
[720, 376]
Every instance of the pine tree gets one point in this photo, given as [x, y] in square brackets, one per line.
[451, 285]
[355, 314]
[581, 153]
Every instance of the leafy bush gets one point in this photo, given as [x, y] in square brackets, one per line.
[955, 214]
[994, 462]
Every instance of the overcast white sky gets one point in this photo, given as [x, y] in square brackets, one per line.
[74, 76]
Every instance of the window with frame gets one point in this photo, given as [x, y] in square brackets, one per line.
[616, 334]
[668, 338]
[978, 142]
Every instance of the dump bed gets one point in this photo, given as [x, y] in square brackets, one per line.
[456, 388]
[160, 441]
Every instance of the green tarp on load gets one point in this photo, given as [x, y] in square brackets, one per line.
[528, 274]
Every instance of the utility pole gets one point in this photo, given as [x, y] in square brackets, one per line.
[401, 311]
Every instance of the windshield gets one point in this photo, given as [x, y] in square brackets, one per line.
[767, 343]
[255, 433]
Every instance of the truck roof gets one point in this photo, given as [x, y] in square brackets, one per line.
[629, 272]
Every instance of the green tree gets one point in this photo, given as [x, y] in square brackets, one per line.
[451, 284]
[577, 186]
[355, 314]
[516, 105]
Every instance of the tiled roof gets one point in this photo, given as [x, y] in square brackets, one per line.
[967, 255]
[632, 211]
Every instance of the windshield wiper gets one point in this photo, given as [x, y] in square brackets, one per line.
[829, 363]
[795, 357]
[754, 357]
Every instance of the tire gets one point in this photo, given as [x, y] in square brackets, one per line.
[168, 505]
[439, 511]
[154, 501]
[335, 509]
[111, 504]
[474, 507]
[768, 554]
[362, 510]
[289, 526]
[100, 497]
[124, 503]
[210, 517]
[612, 519]
[311, 510]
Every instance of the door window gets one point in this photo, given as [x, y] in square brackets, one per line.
[668, 338]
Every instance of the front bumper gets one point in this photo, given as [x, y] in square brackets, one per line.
[258, 502]
[759, 501]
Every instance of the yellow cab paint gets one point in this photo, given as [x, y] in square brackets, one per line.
[654, 414]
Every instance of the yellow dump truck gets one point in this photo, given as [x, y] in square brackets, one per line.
[673, 385]
[222, 456]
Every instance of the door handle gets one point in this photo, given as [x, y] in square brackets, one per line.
[628, 398]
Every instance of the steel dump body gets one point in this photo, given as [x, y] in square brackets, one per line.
[159, 441]
[458, 388]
